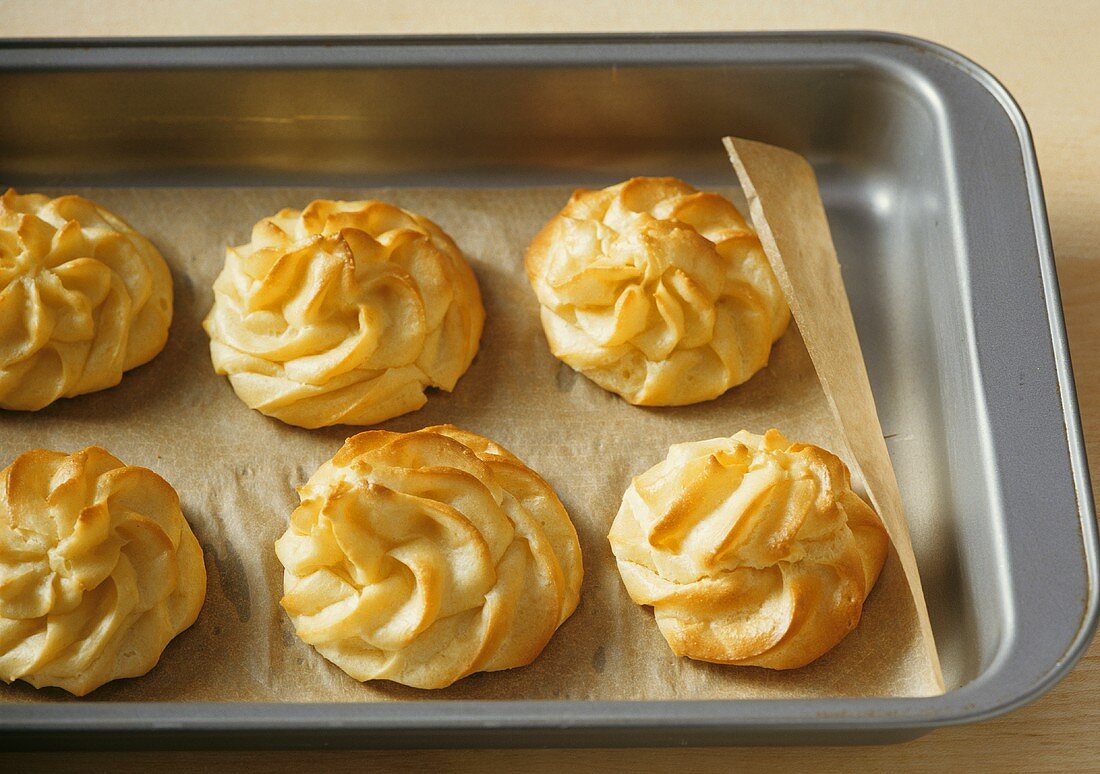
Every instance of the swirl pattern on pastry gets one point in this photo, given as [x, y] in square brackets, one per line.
[99, 570]
[83, 298]
[751, 550]
[424, 557]
[344, 313]
[656, 291]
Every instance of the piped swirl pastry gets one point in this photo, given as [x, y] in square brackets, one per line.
[83, 297]
[656, 291]
[99, 570]
[751, 550]
[343, 313]
[424, 557]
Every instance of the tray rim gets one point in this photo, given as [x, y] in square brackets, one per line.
[908, 716]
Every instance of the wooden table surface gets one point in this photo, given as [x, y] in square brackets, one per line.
[1046, 53]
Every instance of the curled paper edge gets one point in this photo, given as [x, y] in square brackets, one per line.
[786, 209]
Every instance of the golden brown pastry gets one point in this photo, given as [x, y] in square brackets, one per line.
[99, 570]
[343, 313]
[656, 291]
[83, 297]
[424, 557]
[751, 550]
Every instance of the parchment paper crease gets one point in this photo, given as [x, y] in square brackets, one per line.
[236, 471]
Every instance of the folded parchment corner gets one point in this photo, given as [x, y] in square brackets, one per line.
[786, 209]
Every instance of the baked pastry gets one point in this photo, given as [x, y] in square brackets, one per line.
[752, 550]
[343, 313]
[656, 291]
[83, 297]
[98, 569]
[424, 557]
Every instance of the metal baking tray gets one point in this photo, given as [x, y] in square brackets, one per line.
[930, 182]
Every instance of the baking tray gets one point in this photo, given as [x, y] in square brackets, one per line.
[930, 182]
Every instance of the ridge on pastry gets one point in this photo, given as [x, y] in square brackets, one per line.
[343, 313]
[424, 557]
[99, 570]
[656, 291]
[752, 550]
[83, 298]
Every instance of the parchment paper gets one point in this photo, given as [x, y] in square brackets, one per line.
[786, 209]
[236, 471]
